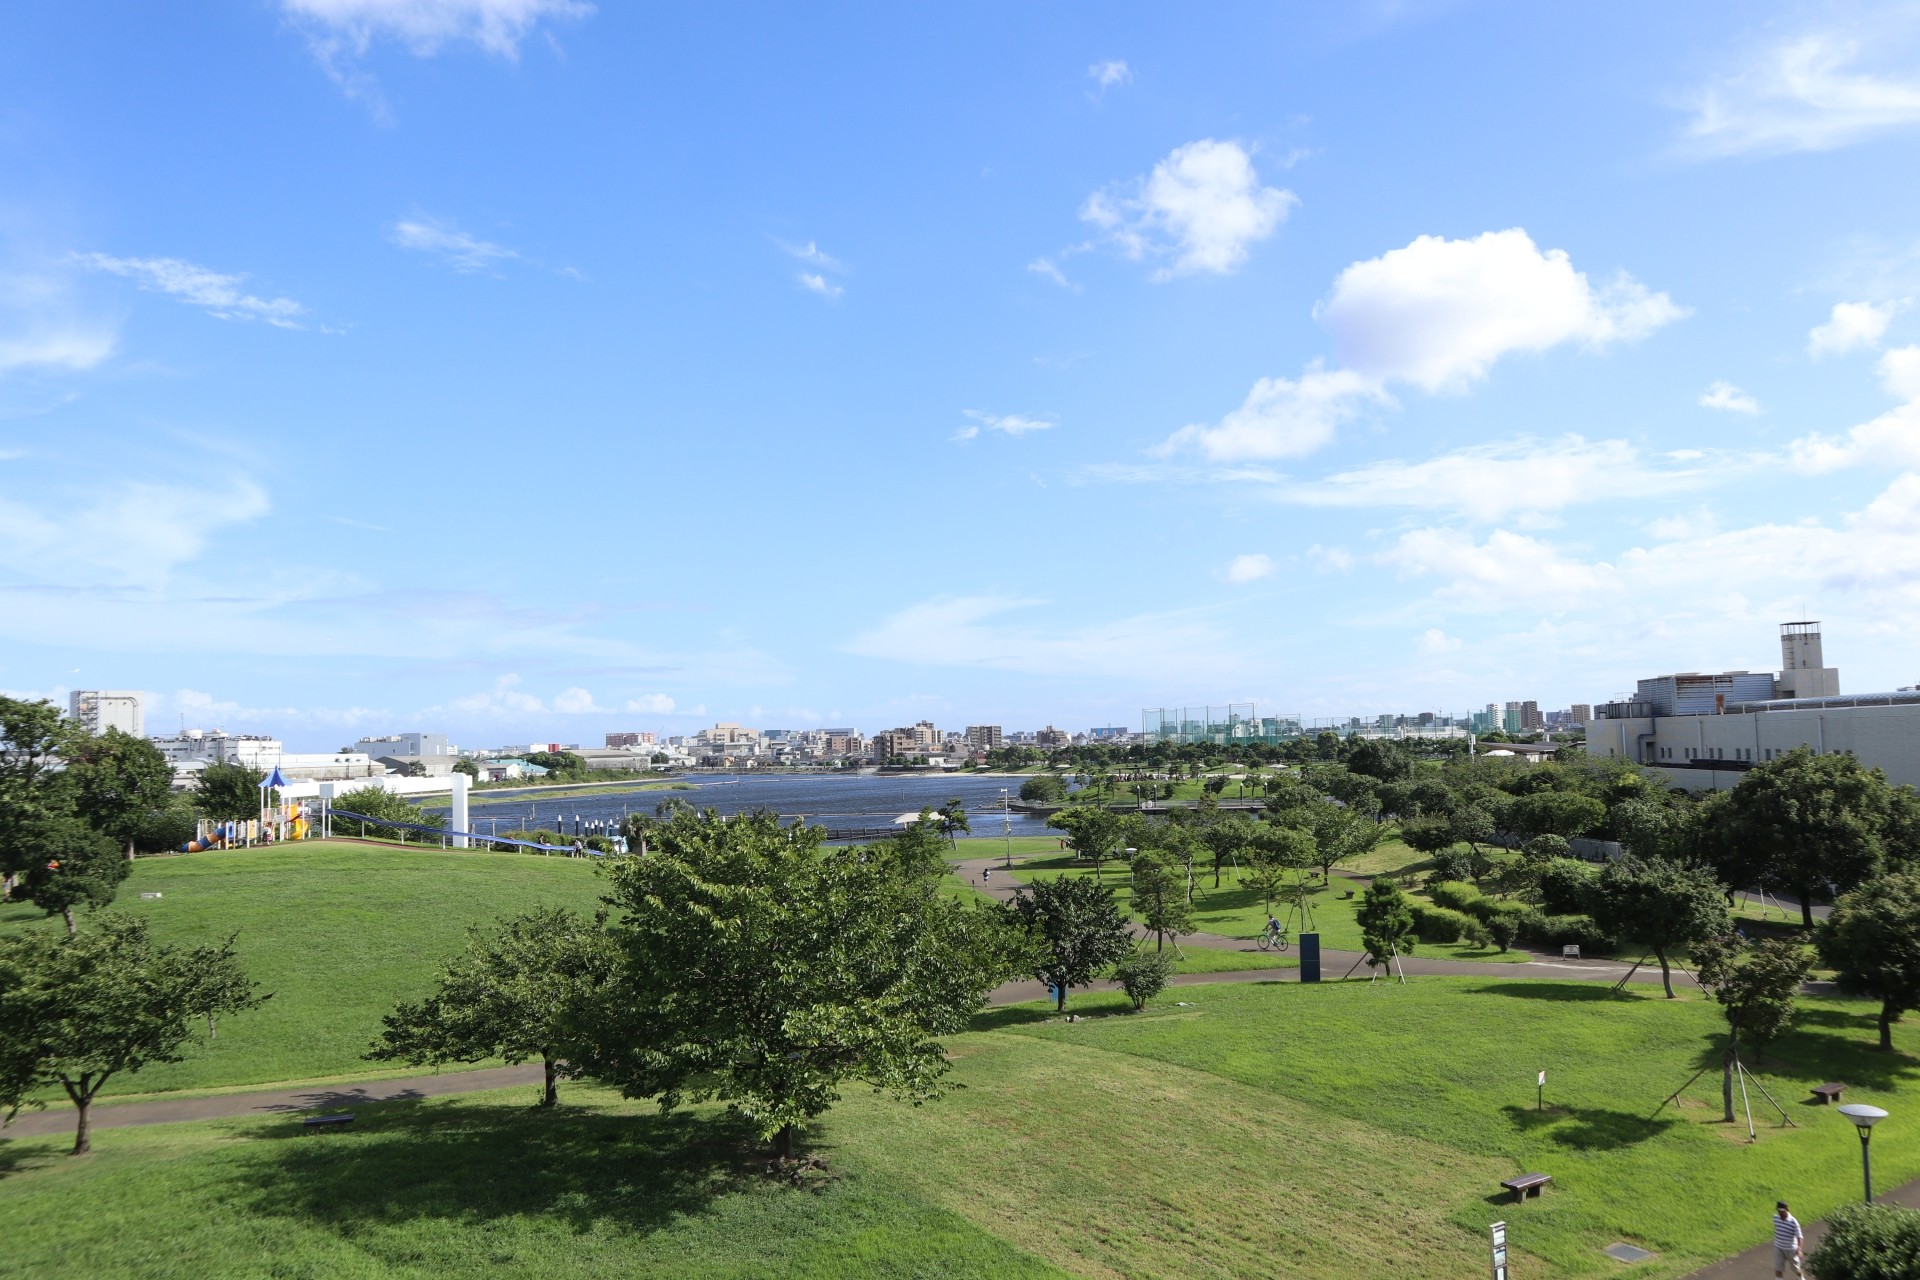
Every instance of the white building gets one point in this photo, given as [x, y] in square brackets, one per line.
[192, 750]
[1704, 739]
[98, 710]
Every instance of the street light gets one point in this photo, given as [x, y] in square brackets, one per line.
[1864, 1118]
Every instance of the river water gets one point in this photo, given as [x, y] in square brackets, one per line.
[835, 801]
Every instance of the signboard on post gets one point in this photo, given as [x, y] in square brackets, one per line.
[1499, 1233]
[1309, 957]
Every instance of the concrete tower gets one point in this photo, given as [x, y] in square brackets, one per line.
[1803, 669]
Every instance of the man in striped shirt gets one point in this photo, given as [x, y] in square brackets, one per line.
[1786, 1241]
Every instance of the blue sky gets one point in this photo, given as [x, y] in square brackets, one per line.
[532, 368]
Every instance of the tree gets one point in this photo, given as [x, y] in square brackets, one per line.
[33, 789]
[230, 791]
[953, 820]
[1385, 916]
[761, 968]
[1143, 975]
[1339, 834]
[1872, 943]
[1472, 825]
[1755, 988]
[1379, 758]
[78, 1011]
[1812, 820]
[467, 767]
[1555, 813]
[509, 995]
[1074, 928]
[1160, 898]
[1225, 839]
[1660, 905]
[74, 866]
[1427, 835]
[1276, 853]
[1043, 788]
[383, 805]
[119, 783]
[1093, 832]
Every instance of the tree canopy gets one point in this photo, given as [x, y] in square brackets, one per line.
[1074, 930]
[1663, 906]
[1807, 821]
[1872, 942]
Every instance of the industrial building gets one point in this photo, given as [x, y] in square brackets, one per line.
[1705, 731]
[98, 710]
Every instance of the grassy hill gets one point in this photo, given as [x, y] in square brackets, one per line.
[337, 932]
[1350, 1130]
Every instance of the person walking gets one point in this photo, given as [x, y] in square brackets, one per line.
[1786, 1241]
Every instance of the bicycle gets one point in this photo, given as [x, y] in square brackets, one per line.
[1272, 940]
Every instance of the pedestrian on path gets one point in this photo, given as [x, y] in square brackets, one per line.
[1786, 1241]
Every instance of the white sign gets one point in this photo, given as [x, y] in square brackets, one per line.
[1499, 1233]
[1543, 1079]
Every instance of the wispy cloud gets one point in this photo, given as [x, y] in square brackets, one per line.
[1050, 269]
[810, 252]
[453, 247]
[427, 26]
[64, 346]
[215, 292]
[1249, 568]
[825, 266]
[1108, 75]
[1200, 210]
[1815, 92]
[813, 282]
[1728, 398]
[1850, 326]
[1012, 424]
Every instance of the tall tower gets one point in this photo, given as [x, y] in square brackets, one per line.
[1803, 669]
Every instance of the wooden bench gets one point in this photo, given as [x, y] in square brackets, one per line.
[340, 1120]
[1526, 1182]
[1828, 1093]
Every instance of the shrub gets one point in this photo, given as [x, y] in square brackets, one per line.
[1441, 924]
[1503, 931]
[1868, 1242]
[1453, 894]
[1452, 864]
[1143, 975]
[1487, 910]
[1566, 930]
[1566, 886]
[1043, 788]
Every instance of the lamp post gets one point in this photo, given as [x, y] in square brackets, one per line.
[1864, 1118]
[1006, 823]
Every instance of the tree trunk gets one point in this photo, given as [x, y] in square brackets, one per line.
[1159, 940]
[553, 1092]
[1726, 1079]
[67, 912]
[1666, 974]
[783, 1143]
[1060, 997]
[82, 1097]
[129, 850]
[1216, 873]
[1887, 1014]
[1806, 907]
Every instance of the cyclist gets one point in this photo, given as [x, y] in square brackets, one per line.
[1273, 926]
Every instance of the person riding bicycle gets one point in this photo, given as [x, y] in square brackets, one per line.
[1273, 926]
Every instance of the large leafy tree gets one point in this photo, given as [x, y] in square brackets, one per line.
[1226, 840]
[1663, 906]
[1809, 821]
[1074, 930]
[1555, 813]
[74, 866]
[1095, 833]
[952, 818]
[120, 783]
[1755, 988]
[1043, 788]
[1385, 916]
[758, 967]
[78, 1011]
[510, 995]
[229, 791]
[1872, 943]
[33, 789]
[1340, 833]
[379, 803]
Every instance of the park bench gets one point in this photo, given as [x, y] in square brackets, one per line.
[1570, 952]
[1526, 1182]
[340, 1120]
[1828, 1093]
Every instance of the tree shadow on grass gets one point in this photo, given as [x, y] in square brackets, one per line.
[1563, 992]
[475, 1163]
[1592, 1128]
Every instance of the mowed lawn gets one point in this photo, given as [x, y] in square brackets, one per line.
[1351, 1130]
[338, 933]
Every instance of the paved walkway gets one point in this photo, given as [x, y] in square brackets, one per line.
[1758, 1261]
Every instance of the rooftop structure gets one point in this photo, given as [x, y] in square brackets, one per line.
[98, 710]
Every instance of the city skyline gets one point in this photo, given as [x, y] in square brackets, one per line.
[494, 368]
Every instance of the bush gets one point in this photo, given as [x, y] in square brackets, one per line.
[1452, 864]
[1143, 975]
[1488, 910]
[1566, 930]
[1043, 788]
[1453, 894]
[1503, 931]
[1442, 924]
[1868, 1242]
[1566, 886]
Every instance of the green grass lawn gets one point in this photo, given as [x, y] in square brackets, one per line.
[1238, 912]
[337, 932]
[1353, 1131]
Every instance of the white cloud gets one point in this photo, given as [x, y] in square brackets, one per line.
[132, 535]
[813, 253]
[451, 245]
[1728, 398]
[815, 283]
[425, 26]
[1249, 568]
[1012, 424]
[1281, 418]
[57, 346]
[1202, 206]
[654, 703]
[1892, 439]
[1495, 480]
[964, 434]
[1507, 571]
[503, 700]
[1051, 270]
[971, 631]
[1440, 312]
[1851, 325]
[1105, 75]
[576, 701]
[212, 291]
[1810, 93]
[1434, 640]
